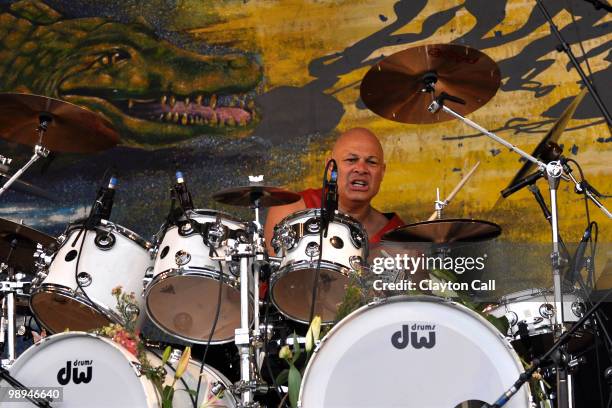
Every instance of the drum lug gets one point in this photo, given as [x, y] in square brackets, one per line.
[182, 257]
[312, 250]
[148, 277]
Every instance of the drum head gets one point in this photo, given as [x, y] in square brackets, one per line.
[185, 306]
[57, 312]
[292, 292]
[92, 372]
[413, 351]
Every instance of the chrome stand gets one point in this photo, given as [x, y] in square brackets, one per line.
[553, 171]
[39, 151]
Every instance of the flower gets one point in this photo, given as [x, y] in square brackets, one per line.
[183, 363]
[285, 353]
[313, 333]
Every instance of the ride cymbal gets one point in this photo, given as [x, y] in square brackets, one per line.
[396, 87]
[70, 128]
[444, 231]
[247, 196]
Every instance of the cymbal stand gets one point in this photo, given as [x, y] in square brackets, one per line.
[246, 340]
[7, 321]
[553, 172]
[39, 151]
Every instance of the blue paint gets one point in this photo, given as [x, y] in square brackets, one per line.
[498, 34]
[495, 152]
[602, 140]
[574, 150]
[382, 17]
[456, 169]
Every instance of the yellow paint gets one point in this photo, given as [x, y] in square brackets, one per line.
[289, 34]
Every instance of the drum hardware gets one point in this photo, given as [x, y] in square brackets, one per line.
[444, 231]
[440, 205]
[256, 196]
[558, 355]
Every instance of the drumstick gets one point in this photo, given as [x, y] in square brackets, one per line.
[456, 190]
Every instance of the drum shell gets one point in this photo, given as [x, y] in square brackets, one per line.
[344, 251]
[469, 359]
[123, 264]
[189, 288]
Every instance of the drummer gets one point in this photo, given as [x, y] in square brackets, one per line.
[361, 168]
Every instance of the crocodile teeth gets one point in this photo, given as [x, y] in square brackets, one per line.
[164, 99]
[175, 117]
[184, 119]
[230, 122]
[213, 119]
[186, 101]
[213, 101]
[172, 101]
[168, 116]
[130, 103]
[199, 100]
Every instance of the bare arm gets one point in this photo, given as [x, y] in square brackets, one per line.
[275, 215]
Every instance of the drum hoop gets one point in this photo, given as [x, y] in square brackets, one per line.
[52, 288]
[341, 218]
[403, 298]
[208, 274]
[300, 265]
[108, 226]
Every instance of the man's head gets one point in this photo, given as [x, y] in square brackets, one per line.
[361, 166]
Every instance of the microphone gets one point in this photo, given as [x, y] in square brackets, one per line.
[182, 193]
[103, 206]
[331, 195]
[528, 180]
[578, 262]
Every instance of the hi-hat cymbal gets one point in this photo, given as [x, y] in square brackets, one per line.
[72, 128]
[393, 88]
[248, 196]
[444, 231]
[24, 240]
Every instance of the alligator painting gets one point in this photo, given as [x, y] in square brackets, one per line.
[154, 92]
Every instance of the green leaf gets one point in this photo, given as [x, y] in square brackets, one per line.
[282, 377]
[295, 381]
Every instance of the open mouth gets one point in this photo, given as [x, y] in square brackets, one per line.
[359, 185]
[211, 110]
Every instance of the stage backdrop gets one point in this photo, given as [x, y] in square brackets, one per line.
[284, 78]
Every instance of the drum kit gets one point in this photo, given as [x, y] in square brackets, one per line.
[198, 279]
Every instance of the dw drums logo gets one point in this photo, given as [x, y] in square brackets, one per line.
[65, 374]
[413, 335]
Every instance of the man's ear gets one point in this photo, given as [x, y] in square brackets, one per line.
[384, 169]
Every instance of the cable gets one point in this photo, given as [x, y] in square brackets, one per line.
[315, 280]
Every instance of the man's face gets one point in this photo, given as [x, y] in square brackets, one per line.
[360, 169]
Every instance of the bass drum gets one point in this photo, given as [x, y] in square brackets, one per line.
[93, 371]
[412, 351]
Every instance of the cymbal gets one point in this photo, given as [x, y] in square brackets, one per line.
[444, 231]
[393, 88]
[548, 150]
[73, 129]
[246, 196]
[24, 239]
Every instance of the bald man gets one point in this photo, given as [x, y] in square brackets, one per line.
[361, 168]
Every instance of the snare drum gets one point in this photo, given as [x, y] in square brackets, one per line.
[181, 298]
[75, 292]
[417, 351]
[93, 371]
[296, 240]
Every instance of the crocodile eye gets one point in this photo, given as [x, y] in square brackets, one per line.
[111, 58]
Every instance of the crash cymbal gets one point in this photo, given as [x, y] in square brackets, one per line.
[444, 231]
[393, 88]
[72, 128]
[26, 188]
[247, 195]
[24, 239]
[548, 150]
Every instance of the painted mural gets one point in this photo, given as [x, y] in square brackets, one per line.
[225, 89]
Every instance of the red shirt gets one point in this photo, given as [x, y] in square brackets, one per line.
[312, 199]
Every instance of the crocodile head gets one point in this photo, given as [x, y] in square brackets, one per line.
[154, 92]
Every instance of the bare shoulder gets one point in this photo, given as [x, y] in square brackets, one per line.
[276, 214]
